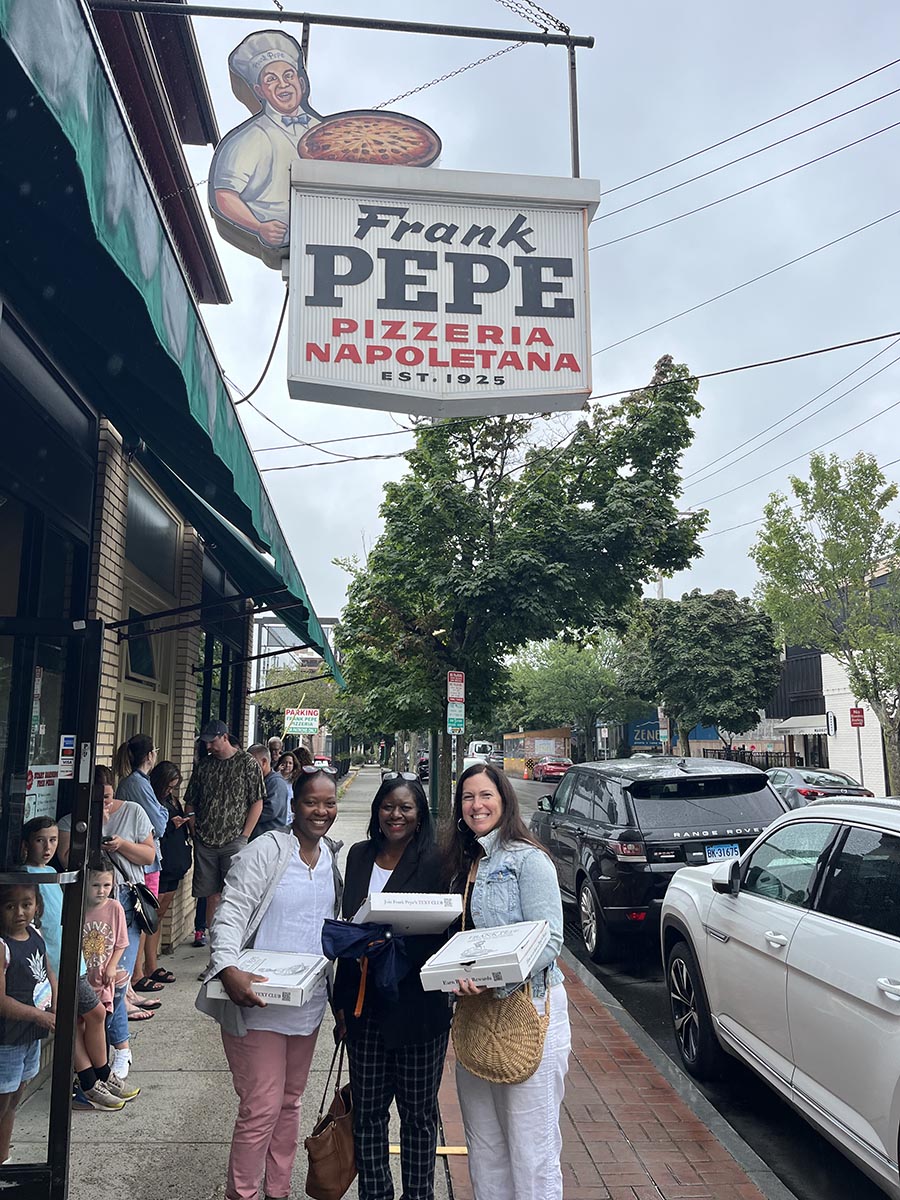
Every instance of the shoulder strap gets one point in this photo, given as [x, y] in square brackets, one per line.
[473, 871]
[339, 1049]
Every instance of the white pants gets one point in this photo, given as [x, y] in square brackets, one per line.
[512, 1129]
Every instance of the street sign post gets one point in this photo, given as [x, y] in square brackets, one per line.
[301, 720]
[858, 722]
[456, 687]
[456, 716]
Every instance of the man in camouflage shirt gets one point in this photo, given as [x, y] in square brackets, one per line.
[225, 796]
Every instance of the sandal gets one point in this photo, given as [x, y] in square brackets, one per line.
[161, 975]
[139, 1014]
[146, 984]
[147, 1005]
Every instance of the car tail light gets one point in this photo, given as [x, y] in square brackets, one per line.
[629, 851]
[636, 916]
[810, 793]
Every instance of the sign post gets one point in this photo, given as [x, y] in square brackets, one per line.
[301, 720]
[857, 722]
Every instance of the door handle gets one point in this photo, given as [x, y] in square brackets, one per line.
[890, 987]
[775, 939]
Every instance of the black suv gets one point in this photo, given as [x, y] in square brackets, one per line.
[618, 830]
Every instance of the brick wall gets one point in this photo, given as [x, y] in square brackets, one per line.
[179, 921]
[107, 583]
[843, 748]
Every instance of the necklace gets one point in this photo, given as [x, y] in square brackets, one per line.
[309, 865]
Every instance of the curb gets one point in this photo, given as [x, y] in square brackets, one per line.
[743, 1154]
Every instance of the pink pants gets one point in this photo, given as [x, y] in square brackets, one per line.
[269, 1072]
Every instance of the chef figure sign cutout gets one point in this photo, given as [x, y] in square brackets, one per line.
[249, 181]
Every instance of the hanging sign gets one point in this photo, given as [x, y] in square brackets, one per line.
[440, 293]
[250, 173]
[301, 720]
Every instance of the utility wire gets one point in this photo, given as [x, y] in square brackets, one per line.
[781, 420]
[245, 398]
[744, 190]
[769, 362]
[743, 157]
[853, 428]
[747, 282]
[752, 128]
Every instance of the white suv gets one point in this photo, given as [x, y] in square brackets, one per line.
[789, 959]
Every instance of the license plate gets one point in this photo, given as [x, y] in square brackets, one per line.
[722, 851]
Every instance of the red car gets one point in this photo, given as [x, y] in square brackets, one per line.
[550, 767]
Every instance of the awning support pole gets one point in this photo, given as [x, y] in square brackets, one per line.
[251, 658]
[277, 686]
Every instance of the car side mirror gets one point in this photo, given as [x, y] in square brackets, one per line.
[545, 804]
[727, 880]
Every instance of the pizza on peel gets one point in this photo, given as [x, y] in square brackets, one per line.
[389, 139]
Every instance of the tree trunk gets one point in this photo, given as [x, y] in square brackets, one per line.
[684, 741]
[891, 736]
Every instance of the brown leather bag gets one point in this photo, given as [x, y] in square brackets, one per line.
[330, 1148]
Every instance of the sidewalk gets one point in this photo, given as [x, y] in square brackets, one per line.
[633, 1128]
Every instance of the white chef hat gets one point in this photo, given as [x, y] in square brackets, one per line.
[259, 49]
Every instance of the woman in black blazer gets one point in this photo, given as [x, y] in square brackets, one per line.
[395, 1048]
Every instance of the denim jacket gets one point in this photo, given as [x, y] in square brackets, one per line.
[517, 882]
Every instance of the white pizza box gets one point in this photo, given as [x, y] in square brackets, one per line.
[489, 957]
[290, 978]
[410, 912]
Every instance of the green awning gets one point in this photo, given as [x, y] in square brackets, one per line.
[92, 269]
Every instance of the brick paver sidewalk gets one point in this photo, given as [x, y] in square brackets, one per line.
[627, 1135]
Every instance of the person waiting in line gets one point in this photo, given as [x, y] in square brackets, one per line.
[134, 761]
[40, 839]
[225, 797]
[27, 1000]
[175, 853]
[288, 766]
[512, 1130]
[128, 840]
[395, 1049]
[275, 747]
[278, 893]
[276, 813]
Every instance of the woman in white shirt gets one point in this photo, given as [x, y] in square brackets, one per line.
[278, 892]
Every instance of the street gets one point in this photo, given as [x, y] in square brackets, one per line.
[808, 1164]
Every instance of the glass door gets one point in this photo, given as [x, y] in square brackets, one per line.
[49, 687]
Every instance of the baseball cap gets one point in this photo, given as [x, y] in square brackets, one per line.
[213, 730]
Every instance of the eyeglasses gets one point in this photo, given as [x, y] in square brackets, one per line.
[307, 770]
[410, 775]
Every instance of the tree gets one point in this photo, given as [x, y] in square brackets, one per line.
[708, 659]
[490, 542]
[562, 683]
[830, 579]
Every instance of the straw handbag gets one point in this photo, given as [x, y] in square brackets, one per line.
[330, 1148]
[499, 1039]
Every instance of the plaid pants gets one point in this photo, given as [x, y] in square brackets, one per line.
[411, 1075]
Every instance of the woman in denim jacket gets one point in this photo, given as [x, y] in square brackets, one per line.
[512, 1130]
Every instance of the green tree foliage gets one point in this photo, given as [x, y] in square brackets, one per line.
[560, 683]
[829, 579]
[490, 542]
[708, 659]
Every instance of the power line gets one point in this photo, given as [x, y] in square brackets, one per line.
[752, 128]
[245, 397]
[743, 157]
[853, 428]
[747, 282]
[743, 191]
[803, 420]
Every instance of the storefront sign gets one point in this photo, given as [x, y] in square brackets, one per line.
[441, 293]
[41, 785]
[301, 720]
[250, 175]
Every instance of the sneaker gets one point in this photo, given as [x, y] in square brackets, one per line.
[199, 937]
[100, 1096]
[120, 1089]
[120, 1063]
[80, 1102]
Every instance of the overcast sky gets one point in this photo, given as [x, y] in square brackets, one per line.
[664, 80]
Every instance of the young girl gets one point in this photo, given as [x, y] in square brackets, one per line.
[40, 838]
[104, 939]
[27, 1000]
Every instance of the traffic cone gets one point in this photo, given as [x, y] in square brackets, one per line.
[525, 774]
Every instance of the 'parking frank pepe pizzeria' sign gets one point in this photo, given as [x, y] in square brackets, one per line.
[442, 293]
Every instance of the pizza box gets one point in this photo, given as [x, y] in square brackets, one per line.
[489, 957]
[410, 912]
[290, 978]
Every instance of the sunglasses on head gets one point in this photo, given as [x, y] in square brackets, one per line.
[308, 770]
[410, 775]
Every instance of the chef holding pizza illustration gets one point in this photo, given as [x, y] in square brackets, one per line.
[250, 174]
[249, 183]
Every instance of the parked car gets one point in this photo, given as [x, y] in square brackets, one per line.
[322, 760]
[550, 767]
[799, 785]
[619, 830]
[789, 960]
[496, 759]
[422, 767]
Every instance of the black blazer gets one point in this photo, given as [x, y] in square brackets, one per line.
[417, 1016]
